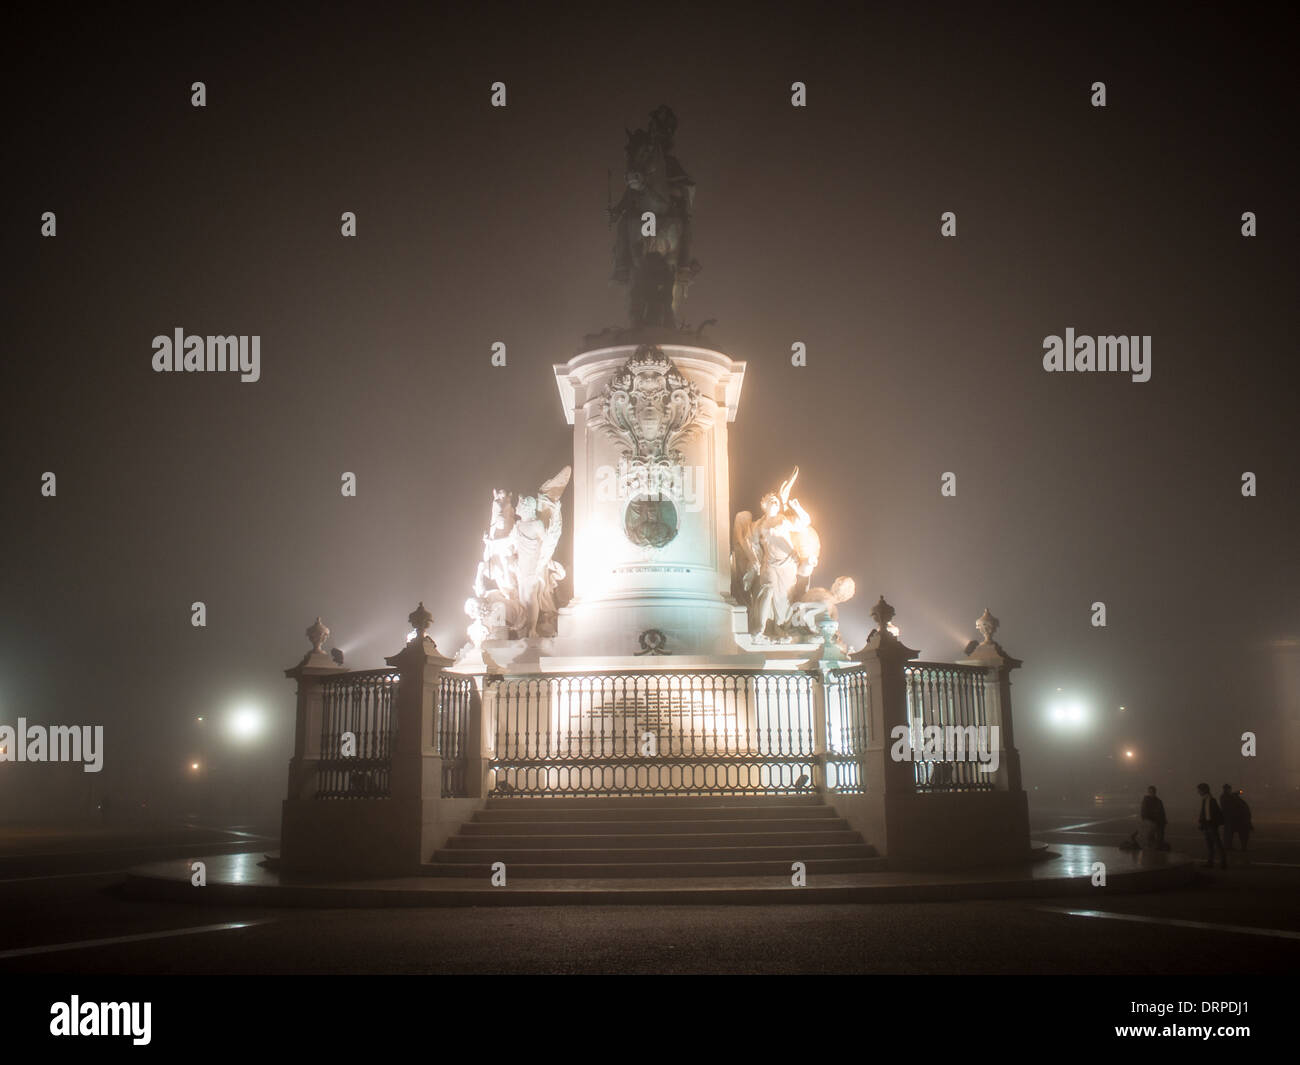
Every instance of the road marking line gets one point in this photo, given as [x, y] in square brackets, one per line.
[1087, 824]
[230, 831]
[1077, 835]
[88, 943]
[1277, 933]
[185, 844]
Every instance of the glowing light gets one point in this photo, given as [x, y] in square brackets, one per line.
[245, 723]
[411, 635]
[194, 765]
[1068, 714]
[893, 630]
[1128, 754]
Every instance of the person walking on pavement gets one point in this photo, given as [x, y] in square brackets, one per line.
[1236, 817]
[1152, 816]
[1208, 821]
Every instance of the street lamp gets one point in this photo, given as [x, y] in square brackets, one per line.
[1071, 716]
[245, 724]
[1068, 714]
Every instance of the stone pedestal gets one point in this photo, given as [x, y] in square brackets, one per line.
[417, 765]
[651, 503]
[997, 702]
[315, 666]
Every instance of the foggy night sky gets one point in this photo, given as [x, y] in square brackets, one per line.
[478, 224]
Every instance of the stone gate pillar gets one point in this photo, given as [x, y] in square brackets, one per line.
[997, 699]
[416, 762]
[316, 665]
[886, 779]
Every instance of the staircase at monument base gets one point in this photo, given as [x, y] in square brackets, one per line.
[654, 837]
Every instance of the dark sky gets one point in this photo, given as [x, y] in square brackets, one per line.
[818, 224]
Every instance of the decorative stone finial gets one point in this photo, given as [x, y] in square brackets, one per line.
[318, 634]
[882, 613]
[987, 625]
[420, 620]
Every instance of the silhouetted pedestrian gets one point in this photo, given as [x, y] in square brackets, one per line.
[1208, 821]
[1152, 816]
[1236, 817]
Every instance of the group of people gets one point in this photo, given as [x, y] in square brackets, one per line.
[1220, 821]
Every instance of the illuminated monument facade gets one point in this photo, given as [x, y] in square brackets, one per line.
[698, 663]
[659, 566]
[650, 499]
[657, 569]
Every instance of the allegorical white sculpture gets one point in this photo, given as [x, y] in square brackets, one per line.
[820, 603]
[514, 587]
[771, 564]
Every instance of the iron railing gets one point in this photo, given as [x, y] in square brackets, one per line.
[950, 697]
[723, 732]
[360, 706]
[726, 732]
[454, 696]
[848, 711]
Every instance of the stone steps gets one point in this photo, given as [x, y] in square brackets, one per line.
[576, 852]
[607, 870]
[546, 812]
[627, 833]
[655, 802]
[654, 837]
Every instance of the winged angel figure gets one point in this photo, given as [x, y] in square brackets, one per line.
[772, 561]
[515, 584]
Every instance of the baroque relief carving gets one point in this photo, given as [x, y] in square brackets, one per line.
[650, 409]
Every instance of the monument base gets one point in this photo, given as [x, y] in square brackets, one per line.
[657, 627]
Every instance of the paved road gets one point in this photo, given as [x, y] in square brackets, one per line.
[1241, 921]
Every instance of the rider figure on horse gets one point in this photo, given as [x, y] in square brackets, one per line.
[657, 267]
